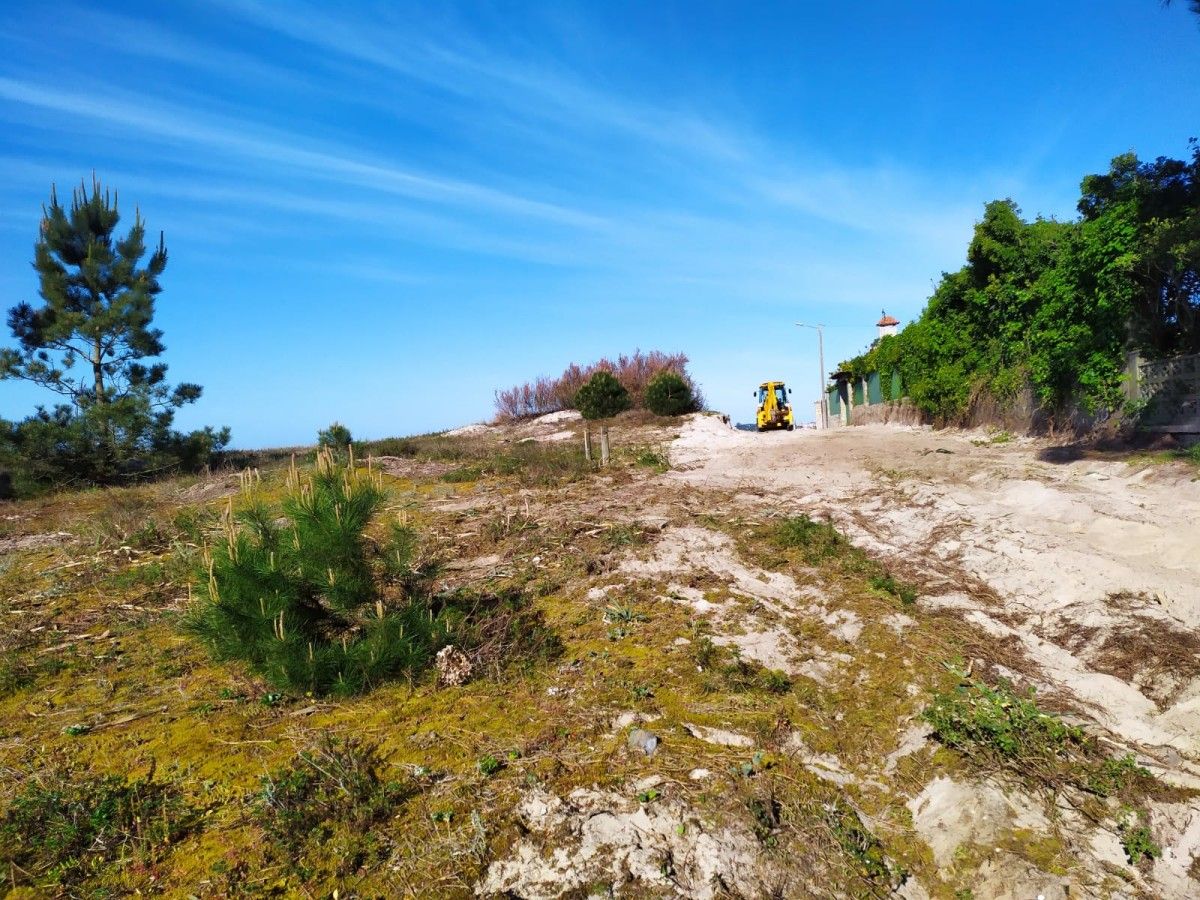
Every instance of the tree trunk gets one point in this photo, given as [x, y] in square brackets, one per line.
[604, 445]
[98, 370]
[587, 444]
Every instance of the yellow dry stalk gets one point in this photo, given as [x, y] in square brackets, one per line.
[213, 593]
[279, 632]
[249, 479]
[332, 577]
[293, 476]
[379, 609]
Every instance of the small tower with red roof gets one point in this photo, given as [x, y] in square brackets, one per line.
[887, 325]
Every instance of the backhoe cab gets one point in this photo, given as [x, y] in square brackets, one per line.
[774, 411]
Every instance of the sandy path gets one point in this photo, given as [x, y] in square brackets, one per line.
[1093, 565]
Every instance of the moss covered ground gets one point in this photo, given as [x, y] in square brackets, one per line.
[164, 772]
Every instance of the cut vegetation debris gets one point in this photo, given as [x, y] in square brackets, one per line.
[659, 679]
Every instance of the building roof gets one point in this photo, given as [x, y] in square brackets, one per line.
[887, 320]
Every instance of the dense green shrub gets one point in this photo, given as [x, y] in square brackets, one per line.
[314, 605]
[300, 601]
[1054, 306]
[545, 395]
[335, 437]
[602, 397]
[668, 394]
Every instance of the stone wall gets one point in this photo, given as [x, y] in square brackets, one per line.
[891, 412]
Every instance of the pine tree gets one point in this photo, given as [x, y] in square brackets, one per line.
[92, 342]
[601, 398]
[300, 602]
[669, 394]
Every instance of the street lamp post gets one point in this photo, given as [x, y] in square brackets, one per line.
[821, 362]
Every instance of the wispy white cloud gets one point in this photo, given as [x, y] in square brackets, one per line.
[465, 67]
[285, 150]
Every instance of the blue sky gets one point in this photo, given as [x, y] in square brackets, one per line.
[382, 213]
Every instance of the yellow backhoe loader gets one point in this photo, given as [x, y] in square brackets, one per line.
[774, 411]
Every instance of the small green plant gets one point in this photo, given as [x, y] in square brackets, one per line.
[624, 535]
[887, 584]
[653, 459]
[765, 818]
[463, 475]
[334, 783]
[817, 541]
[648, 796]
[623, 613]
[1136, 839]
[669, 394]
[994, 726]
[776, 681]
[488, 765]
[858, 842]
[1115, 774]
[705, 652]
[336, 438]
[756, 764]
[996, 722]
[60, 830]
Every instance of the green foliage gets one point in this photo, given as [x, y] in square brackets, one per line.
[464, 475]
[87, 343]
[994, 726]
[59, 830]
[886, 583]
[315, 606]
[488, 765]
[602, 397]
[335, 784]
[996, 722]
[729, 673]
[1137, 841]
[1055, 305]
[336, 437]
[653, 459]
[669, 394]
[817, 540]
[858, 843]
[766, 817]
[301, 602]
[1113, 776]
